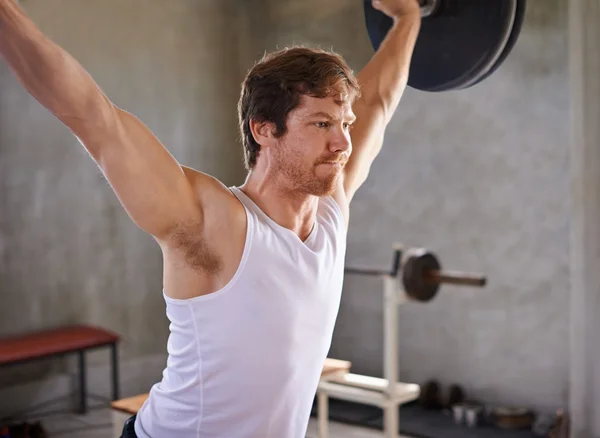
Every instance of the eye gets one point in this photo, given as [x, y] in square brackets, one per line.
[348, 126]
[322, 124]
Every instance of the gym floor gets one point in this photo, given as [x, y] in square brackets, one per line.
[97, 424]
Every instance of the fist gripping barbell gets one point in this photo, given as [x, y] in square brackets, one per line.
[461, 42]
[421, 274]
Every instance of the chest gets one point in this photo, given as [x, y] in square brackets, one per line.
[293, 291]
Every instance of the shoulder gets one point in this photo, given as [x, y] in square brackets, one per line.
[220, 207]
[210, 192]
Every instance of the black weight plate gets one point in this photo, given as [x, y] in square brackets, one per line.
[414, 279]
[512, 40]
[488, 67]
[456, 46]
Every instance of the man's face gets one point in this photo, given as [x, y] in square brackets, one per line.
[314, 150]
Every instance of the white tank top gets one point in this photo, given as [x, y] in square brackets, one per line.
[245, 361]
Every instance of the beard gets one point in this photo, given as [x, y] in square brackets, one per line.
[305, 179]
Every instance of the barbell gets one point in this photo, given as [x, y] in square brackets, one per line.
[421, 274]
[461, 42]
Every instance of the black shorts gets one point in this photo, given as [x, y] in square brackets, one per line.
[129, 428]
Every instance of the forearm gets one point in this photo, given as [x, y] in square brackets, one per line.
[385, 76]
[48, 73]
[382, 81]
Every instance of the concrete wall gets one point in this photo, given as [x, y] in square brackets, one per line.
[584, 67]
[481, 178]
[68, 251]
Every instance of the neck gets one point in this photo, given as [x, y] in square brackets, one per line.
[289, 208]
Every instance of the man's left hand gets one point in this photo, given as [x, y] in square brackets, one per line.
[398, 8]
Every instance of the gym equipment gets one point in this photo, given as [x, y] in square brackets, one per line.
[461, 42]
[421, 274]
[416, 275]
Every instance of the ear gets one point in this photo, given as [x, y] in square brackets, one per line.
[263, 132]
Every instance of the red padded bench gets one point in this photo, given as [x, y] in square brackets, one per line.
[59, 342]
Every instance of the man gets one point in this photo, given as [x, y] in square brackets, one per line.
[252, 274]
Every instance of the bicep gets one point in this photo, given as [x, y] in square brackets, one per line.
[148, 181]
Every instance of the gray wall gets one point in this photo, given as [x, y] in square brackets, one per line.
[479, 176]
[68, 251]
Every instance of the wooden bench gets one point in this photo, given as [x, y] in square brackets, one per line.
[125, 408]
[76, 339]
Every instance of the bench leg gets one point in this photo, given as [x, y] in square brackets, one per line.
[323, 414]
[115, 371]
[82, 384]
[391, 423]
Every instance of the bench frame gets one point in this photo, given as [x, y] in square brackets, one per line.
[82, 371]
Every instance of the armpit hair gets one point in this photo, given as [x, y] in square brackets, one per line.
[195, 250]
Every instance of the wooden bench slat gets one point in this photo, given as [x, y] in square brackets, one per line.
[131, 405]
[52, 342]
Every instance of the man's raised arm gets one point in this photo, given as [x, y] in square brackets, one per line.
[382, 82]
[148, 181]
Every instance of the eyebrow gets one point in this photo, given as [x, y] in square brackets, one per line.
[328, 116]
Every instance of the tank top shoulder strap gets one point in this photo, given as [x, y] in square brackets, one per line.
[251, 208]
[331, 212]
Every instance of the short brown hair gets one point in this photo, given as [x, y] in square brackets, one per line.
[273, 88]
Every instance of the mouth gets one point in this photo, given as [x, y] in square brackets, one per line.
[333, 165]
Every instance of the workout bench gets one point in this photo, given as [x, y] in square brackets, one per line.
[125, 408]
[77, 339]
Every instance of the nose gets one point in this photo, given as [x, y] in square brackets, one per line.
[341, 141]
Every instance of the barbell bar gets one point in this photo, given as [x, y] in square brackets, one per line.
[431, 276]
[421, 274]
[460, 43]
[455, 277]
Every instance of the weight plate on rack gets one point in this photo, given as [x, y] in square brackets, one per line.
[414, 275]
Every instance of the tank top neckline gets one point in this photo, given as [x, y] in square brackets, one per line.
[260, 211]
